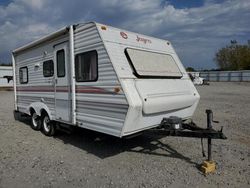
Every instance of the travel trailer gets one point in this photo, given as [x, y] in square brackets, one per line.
[101, 78]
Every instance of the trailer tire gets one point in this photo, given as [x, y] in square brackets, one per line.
[17, 115]
[48, 126]
[35, 121]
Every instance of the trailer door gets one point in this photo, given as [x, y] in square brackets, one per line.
[62, 89]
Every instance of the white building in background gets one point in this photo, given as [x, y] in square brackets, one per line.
[5, 71]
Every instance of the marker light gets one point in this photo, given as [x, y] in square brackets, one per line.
[103, 28]
[117, 89]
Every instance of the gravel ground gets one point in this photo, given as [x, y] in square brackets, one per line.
[90, 159]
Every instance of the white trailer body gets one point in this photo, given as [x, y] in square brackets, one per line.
[102, 78]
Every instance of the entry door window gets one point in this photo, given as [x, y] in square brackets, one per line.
[60, 57]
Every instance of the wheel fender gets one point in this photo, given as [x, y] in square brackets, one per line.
[38, 107]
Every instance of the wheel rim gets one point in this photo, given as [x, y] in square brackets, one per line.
[35, 120]
[46, 124]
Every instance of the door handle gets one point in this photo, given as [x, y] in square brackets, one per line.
[54, 82]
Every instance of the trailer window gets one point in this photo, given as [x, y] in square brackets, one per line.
[60, 61]
[48, 68]
[152, 64]
[23, 75]
[86, 66]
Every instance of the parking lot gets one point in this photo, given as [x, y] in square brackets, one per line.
[89, 159]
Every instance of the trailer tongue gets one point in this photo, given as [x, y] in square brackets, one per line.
[173, 126]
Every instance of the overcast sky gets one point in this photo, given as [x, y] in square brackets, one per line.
[196, 28]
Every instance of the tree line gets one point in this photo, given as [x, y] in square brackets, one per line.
[234, 56]
[5, 64]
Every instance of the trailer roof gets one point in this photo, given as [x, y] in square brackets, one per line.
[43, 39]
[65, 30]
[127, 31]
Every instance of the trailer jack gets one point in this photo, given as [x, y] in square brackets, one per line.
[173, 126]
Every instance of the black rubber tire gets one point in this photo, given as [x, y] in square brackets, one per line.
[35, 122]
[17, 115]
[48, 126]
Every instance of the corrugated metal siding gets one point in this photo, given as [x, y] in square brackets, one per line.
[104, 112]
[35, 75]
[26, 98]
[30, 58]
[35, 78]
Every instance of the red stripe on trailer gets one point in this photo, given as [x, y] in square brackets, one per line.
[79, 89]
